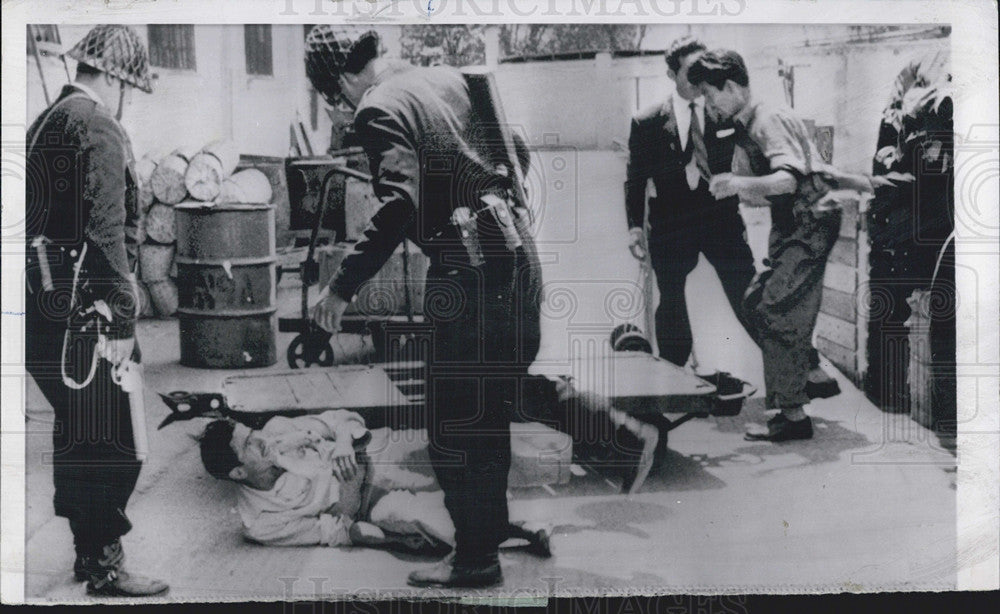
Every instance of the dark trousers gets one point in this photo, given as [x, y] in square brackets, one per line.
[893, 278]
[93, 463]
[785, 299]
[485, 333]
[707, 227]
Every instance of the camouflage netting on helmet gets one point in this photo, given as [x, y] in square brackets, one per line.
[116, 50]
[332, 50]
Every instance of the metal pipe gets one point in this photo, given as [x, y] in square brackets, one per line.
[38, 62]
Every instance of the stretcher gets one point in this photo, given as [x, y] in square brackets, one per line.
[392, 394]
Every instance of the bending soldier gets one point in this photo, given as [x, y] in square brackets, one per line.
[440, 186]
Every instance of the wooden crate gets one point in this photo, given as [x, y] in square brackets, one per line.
[841, 326]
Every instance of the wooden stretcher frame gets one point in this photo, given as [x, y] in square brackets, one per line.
[392, 394]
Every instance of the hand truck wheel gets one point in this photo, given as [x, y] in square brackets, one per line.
[629, 338]
[308, 349]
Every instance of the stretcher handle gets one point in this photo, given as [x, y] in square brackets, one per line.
[748, 391]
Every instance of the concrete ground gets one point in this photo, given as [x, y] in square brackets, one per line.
[868, 504]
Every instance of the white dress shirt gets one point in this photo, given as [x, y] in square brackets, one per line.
[682, 115]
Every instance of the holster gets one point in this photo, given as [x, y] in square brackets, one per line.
[491, 224]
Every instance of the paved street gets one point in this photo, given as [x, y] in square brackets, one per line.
[868, 504]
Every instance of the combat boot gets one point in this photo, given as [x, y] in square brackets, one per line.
[80, 572]
[449, 573]
[538, 537]
[106, 578]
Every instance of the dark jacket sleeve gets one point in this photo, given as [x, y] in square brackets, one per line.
[395, 170]
[103, 161]
[637, 174]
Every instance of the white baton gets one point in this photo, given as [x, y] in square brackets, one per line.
[129, 377]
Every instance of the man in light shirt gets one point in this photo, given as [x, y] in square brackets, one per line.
[776, 164]
[325, 479]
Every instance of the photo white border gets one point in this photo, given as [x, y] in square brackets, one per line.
[974, 68]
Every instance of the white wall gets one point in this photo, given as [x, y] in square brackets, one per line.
[589, 105]
[579, 103]
[217, 100]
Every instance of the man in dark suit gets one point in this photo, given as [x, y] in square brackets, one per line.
[676, 146]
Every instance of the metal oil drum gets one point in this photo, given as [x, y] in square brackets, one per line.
[226, 280]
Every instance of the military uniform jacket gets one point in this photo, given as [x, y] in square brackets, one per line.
[427, 158]
[81, 191]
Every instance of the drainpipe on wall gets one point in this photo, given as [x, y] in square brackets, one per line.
[604, 130]
[492, 41]
[227, 80]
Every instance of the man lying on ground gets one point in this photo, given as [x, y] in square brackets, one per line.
[325, 480]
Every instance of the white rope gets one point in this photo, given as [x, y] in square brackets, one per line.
[937, 265]
[67, 379]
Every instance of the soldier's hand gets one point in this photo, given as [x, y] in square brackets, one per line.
[893, 179]
[117, 350]
[637, 243]
[328, 311]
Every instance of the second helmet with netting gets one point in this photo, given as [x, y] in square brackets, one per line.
[116, 50]
[332, 50]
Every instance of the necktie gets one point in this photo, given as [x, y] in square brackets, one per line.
[740, 134]
[696, 147]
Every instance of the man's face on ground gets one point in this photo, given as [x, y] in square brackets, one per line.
[721, 104]
[256, 471]
[684, 88]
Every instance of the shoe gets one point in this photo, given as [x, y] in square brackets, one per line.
[648, 438]
[419, 544]
[106, 578]
[780, 428]
[449, 574]
[539, 540]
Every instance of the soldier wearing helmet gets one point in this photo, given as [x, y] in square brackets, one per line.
[82, 231]
[416, 127]
[442, 185]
